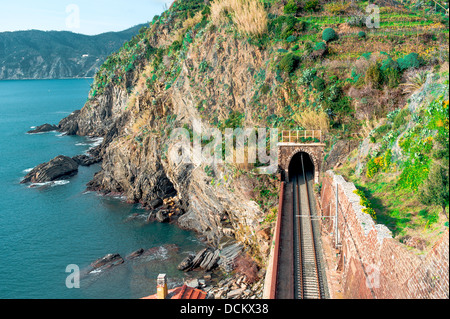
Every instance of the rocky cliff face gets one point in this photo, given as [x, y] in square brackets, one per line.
[136, 114]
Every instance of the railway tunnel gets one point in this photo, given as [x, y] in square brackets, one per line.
[295, 165]
[300, 274]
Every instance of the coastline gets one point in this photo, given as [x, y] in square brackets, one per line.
[40, 79]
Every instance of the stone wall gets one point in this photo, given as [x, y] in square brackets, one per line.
[371, 262]
[287, 150]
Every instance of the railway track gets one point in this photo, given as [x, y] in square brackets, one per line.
[307, 277]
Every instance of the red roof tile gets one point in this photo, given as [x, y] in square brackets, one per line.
[183, 292]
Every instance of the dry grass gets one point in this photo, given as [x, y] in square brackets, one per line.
[369, 125]
[187, 24]
[414, 82]
[140, 122]
[249, 16]
[312, 120]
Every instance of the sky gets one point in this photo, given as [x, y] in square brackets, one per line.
[81, 16]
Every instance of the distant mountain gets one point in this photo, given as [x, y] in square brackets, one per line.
[57, 54]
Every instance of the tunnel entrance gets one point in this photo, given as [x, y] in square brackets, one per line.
[295, 165]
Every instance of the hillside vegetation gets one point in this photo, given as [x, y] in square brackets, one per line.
[293, 65]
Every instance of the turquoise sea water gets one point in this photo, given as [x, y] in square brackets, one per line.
[44, 229]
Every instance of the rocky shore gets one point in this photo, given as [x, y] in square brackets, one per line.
[213, 271]
[233, 283]
[61, 167]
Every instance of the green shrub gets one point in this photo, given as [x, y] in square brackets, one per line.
[374, 75]
[361, 34]
[291, 7]
[334, 93]
[400, 118]
[289, 63]
[203, 66]
[435, 190]
[307, 77]
[319, 84]
[366, 55]
[363, 201]
[329, 35]
[311, 6]
[284, 26]
[320, 46]
[391, 77]
[389, 63]
[382, 129]
[291, 38]
[265, 88]
[409, 61]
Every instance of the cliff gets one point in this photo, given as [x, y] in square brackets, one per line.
[212, 63]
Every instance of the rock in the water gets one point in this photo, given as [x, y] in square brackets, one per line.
[156, 203]
[135, 254]
[186, 263]
[56, 169]
[205, 259]
[162, 216]
[43, 128]
[85, 160]
[199, 258]
[107, 261]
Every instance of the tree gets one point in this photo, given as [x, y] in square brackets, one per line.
[435, 190]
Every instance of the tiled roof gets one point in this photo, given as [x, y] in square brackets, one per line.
[183, 292]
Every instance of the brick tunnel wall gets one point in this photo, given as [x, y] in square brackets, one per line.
[372, 263]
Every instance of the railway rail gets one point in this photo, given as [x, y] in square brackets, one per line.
[299, 274]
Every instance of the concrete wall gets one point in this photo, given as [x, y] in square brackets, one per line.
[372, 263]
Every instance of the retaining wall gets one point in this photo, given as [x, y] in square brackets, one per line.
[372, 263]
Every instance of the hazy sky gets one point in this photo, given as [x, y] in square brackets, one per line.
[80, 16]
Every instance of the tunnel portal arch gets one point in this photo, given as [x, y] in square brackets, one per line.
[287, 151]
[295, 164]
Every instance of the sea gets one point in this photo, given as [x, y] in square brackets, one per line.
[50, 233]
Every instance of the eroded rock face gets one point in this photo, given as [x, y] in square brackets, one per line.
[58, 168]
[135, 154]
[98, 116]
[84, 160]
